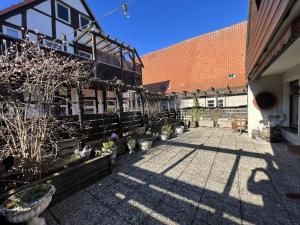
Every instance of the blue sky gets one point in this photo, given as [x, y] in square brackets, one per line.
[155, 24]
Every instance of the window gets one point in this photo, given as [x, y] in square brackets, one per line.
[12, 32]
[83, 21]
[220, 102]
[231, 76]
[294, 104]
[53, 45]
[89, 106]
[111, 106]
[63, 12]
[210, 103]
[85, 54]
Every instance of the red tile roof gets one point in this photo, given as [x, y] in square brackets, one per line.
[199, 63]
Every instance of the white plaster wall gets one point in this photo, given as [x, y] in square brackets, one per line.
[42, 23]
[63, 29]
[272, 84]
[17, 20]
[236, 100]
[45, 7]
[77, 5]
[229, 101]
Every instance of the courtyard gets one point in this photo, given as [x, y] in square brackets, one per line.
[205, 176]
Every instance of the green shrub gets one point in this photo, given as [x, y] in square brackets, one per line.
[108, 144]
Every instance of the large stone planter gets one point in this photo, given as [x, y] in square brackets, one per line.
[29, 214]
[145, 144]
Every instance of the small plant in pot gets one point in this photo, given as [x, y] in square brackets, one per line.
[215, 115]
[27, 205]
[109, 147]
[166, 132]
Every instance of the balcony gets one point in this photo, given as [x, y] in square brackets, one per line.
[110, 65]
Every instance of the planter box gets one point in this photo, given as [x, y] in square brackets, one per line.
[70, 180]
[206, 123]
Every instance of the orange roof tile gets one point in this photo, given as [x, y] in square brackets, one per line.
[199, 63]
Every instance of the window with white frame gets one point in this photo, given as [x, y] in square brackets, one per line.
[83, 21]
[53, 45]
[211, 103]
[111, 106]
[12, 32]
[221, 102]
[85, 54]
[89, 106]
[63, 12]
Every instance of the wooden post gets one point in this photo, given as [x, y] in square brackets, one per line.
[96, 101]
[169, 105]
[119, 95]
[80, 106]
[94, 46]
[104, 100]
[142, 103]
[69, 99]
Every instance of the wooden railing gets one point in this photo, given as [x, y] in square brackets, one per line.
[99, 126]
[106, 69]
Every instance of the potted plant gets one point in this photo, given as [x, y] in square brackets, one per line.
[131, 144]
[166, 132]
[27, 205]
[179, 129]
[145, 143]
[215, 115]
[109, 146]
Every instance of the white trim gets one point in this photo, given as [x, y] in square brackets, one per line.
[6, 28]
[83, 16]
[69, 10]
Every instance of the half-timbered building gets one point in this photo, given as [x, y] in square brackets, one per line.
[70, 27]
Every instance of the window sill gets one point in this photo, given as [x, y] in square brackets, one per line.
[291, 129]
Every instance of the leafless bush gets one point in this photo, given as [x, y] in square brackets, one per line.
[31, 79]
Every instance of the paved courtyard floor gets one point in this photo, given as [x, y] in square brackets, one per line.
[205, 176]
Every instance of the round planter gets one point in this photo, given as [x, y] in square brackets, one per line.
[180, 130]
[165, 137]
[29, 214]
[194, 124]
[131, 143]
[145, 144]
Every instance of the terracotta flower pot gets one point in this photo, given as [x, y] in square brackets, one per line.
[30, 213]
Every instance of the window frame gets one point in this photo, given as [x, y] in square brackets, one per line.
[12, 29]
[53, 45]
[84, 17]
[209, 101]
[219, 100]
[293, 124]
[69, 12]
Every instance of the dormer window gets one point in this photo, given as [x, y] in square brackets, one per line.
[63, 12]
[83, 21]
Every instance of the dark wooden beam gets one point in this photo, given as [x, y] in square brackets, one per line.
[104, 100]
[81, 35]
